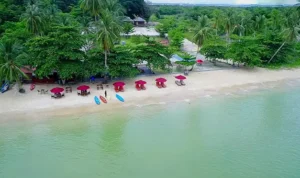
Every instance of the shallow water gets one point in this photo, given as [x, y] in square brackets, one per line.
[248, 135]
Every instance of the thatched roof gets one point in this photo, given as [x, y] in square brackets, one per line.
[139, 19]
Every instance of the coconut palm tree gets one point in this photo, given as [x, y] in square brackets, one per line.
[291, 32]
[229, 21]
[218, 16]
[34, 19]
[115, 7]
[9, 67]
[94, 7]
[259, 23]
[109, 31]
[202, 30]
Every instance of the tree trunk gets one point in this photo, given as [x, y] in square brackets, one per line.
[105, 54]
[192, 67]
[276, 52]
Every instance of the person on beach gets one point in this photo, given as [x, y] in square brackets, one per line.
[105, 94]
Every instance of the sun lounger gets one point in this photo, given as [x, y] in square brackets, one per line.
[178, 83]
[116, 90]
[121, 89]
[163, 85]
[143, 87]
[182, 83]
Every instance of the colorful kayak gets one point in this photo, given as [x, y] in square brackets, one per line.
[97, 101]
[120, 98]
[103, 99]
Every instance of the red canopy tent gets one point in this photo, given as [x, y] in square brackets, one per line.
[83, 87]
[160, 82]
[180, 77]
[56, 90]
[119, 86]
[199, 61]
[140, 84]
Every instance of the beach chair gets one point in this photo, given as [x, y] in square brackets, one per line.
[116, 89]
[143, 87]
[158, 85]
[182, 83]
[178, 83]
[137, 86]
[121, 89]
[163, 85]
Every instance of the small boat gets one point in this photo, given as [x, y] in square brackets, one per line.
[97, 101]
[5, 87]
[120, 98]
[103, 99]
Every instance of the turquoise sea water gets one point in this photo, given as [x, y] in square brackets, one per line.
[254, 135]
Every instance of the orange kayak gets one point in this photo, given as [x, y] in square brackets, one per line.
[103, 99]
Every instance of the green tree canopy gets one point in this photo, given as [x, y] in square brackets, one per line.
[59, 50]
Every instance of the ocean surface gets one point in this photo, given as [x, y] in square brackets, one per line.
[239, 135]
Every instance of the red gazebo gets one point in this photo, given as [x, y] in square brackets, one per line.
[180, 77]
[119, 86]
[199, 61]
[83, 90]
[160, 82]
[57, 92]
[140, 84]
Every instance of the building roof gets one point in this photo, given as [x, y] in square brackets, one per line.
[127, 19]
[139, 19]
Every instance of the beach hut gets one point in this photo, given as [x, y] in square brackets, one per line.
[180, 78]
[128, 20]
[160, 82]
[140, 22]
[140, 85]
[119, 86]
[83, 90]
[57, 92]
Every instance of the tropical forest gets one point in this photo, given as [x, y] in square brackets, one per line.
[79, 39]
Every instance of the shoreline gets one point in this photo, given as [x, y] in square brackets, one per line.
[198, 84]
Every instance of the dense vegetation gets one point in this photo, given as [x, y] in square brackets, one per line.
[254, 36]
[79, 39]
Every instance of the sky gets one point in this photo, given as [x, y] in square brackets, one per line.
[227, 1]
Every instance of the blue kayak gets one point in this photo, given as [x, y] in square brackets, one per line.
[120, 98]
[97, 101]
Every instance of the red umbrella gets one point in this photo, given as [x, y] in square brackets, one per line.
[83, 87]
[119, 84]
[141, 82]
[199, 61]
[161, 80]
[56, 90]
[180, 77]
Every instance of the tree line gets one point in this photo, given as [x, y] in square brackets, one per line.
[77, 43]
[256, 36]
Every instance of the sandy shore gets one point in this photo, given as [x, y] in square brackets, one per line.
[198, 84]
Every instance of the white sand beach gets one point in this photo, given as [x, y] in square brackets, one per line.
[198, 84]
